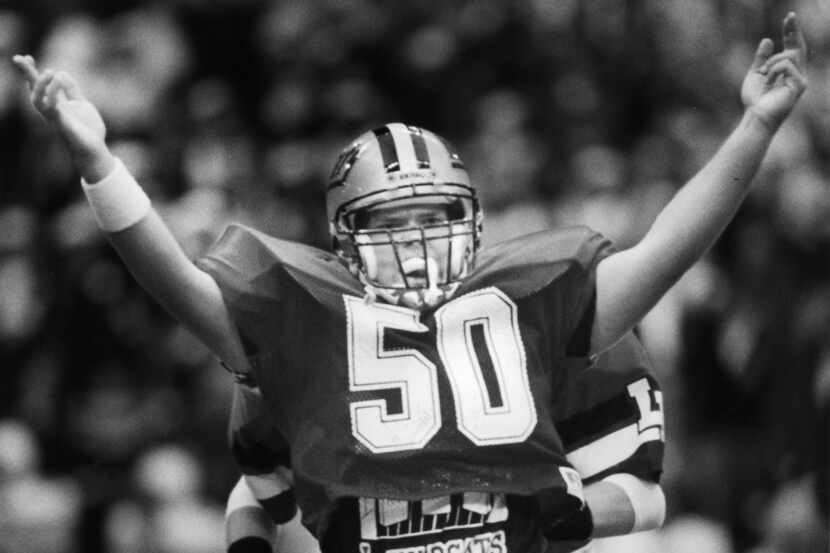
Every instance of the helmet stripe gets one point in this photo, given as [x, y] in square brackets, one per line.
[387, 149]
[420, 146]
[405, 148]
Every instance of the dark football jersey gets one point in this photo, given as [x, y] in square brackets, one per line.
[404, 426]
[610, 418]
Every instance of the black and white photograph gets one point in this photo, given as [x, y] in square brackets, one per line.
[415, 276]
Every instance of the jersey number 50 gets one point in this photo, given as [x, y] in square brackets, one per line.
[473, 331]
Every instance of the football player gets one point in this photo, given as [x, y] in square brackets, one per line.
[610, 419]
[411, 375]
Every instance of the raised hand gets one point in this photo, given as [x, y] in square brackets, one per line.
[56, 96]
[775, 82]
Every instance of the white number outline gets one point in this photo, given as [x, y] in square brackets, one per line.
[482, 423]
[405, 430]
[420, 420]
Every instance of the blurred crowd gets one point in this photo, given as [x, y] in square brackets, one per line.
[112, 417]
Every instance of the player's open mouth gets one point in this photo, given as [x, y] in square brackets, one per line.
[418, 269]
[415, 266]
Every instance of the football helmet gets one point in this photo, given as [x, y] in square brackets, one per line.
[404, 169]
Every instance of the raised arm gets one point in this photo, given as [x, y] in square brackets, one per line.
[123, 211]
[630, 282]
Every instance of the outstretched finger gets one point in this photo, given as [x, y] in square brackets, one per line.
[793, 37]
[762, 54]
[26, 66]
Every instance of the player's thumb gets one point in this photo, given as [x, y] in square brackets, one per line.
[765, 49]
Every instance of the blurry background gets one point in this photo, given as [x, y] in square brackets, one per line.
[112, 417]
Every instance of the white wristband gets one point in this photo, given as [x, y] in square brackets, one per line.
[646, 499]
[117, 200]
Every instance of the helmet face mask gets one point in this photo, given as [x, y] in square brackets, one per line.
[407, 223]
[431, 249]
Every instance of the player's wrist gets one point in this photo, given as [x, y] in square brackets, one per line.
[94, 166]
[759, 124]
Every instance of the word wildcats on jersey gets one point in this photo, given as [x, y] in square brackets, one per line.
[397, 520]
[486, 542]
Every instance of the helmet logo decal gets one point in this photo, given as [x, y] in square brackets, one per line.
[343, 166]
[387, 149]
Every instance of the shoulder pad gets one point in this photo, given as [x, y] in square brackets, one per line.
[246, 262]
[526, 264]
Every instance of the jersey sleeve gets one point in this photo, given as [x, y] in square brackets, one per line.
[252, 282]
[580, 284]
[610, 418]
[262, 454]
[245, 268]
